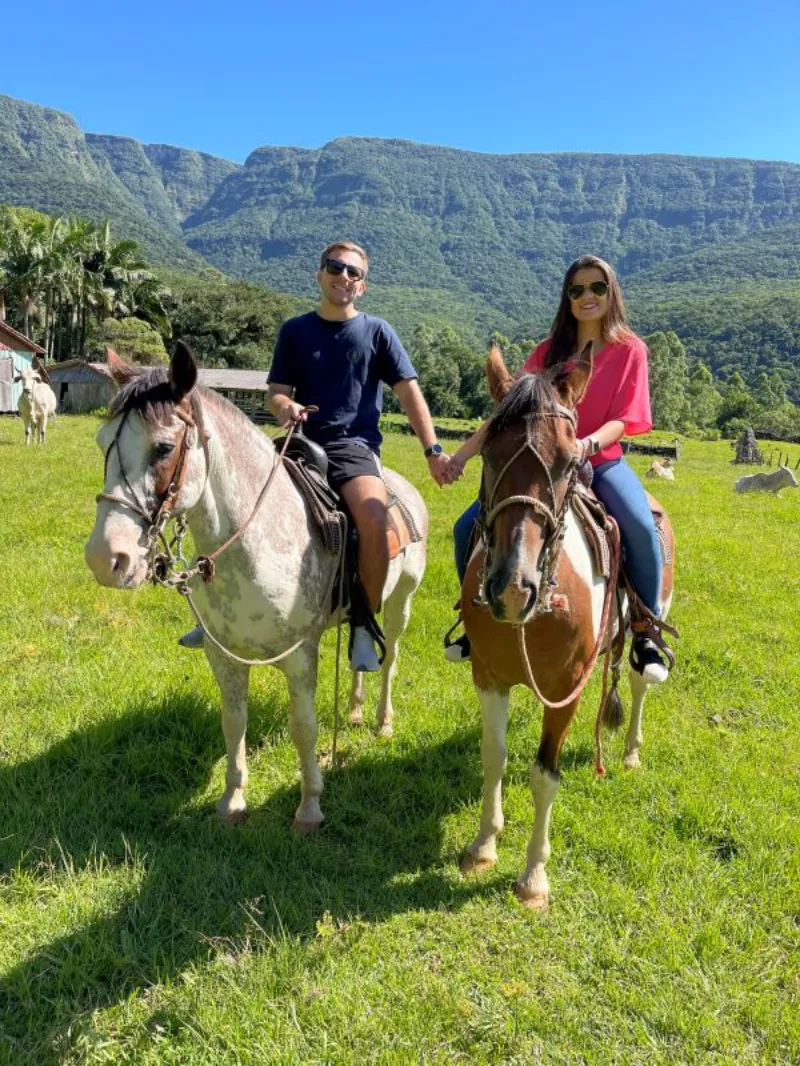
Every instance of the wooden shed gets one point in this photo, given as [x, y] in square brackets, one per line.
[245, 388]
[81, 386]
[17, 352]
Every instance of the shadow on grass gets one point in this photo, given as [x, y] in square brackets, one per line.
[125, 793]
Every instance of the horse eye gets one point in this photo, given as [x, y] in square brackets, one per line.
[162, 450]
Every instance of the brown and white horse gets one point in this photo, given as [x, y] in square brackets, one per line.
[172, 446]
[535, 570]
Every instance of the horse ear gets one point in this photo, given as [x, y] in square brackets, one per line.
[500, 381]
[119, 370]
[182, 370]
[574, 381]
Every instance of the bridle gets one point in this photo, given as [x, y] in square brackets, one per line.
[158, 518]
[554, 516]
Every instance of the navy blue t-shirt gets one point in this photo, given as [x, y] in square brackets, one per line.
[340, 367]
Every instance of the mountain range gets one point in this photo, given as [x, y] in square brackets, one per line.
[478, 240]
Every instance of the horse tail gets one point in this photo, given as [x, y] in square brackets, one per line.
[614, 711]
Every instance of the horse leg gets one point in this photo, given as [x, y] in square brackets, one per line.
[233, 680]
[300, 669]
[357, 695]
[533, 889]
[482, 852]
[633, 741]
[396, 614]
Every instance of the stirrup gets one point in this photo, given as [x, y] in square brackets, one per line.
[652, 629]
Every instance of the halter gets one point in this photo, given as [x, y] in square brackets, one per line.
[158, 519]
[554, 517]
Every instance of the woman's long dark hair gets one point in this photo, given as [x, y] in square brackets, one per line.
[564, 330]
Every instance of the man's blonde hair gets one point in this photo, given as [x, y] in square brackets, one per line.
[347, 246]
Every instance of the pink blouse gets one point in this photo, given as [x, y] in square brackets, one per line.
[618, 391]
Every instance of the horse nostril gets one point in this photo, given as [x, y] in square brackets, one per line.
[120, 562]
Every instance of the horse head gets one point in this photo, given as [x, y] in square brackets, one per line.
[153, 445]
[530, 460]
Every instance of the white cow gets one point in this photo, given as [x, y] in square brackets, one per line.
[36, 404]
[774, 481]
[662, 469]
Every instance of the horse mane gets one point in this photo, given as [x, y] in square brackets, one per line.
[530, 394]
[150, 394]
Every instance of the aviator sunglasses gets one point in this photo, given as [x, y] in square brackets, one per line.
[599, 288]
[336, 267]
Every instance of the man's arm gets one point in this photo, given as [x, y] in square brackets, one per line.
[413, 403]
[282, 406]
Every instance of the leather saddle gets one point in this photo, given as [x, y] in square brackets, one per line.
[307, 465]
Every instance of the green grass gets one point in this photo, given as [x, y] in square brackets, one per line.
[136, 929]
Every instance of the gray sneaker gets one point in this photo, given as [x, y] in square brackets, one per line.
[363, 656]
[193, 639]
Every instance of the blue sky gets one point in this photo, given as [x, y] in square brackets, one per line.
[699, 78]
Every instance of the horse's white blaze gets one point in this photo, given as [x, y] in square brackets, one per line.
[271, 588]
[579, 553]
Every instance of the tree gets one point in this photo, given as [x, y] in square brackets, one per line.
[668, 373]
[131, 338]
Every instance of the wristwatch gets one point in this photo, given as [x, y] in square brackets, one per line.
[434, 449]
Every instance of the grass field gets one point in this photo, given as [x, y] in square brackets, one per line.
[136, 929]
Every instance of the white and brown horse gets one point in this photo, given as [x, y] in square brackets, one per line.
[534, 580]
[172, 446]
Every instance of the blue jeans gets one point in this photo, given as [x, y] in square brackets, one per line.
[623, 496]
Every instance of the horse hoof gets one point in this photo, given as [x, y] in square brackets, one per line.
[386, 730]
[632, 761]
[357, 716]
[234, 817]
[305, 829]
[535, 901]
[472, 866]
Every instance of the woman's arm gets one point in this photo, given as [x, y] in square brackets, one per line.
[609, 433]
[468, 449]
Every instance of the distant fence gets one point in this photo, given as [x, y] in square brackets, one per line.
[668, 451]
[671, 451]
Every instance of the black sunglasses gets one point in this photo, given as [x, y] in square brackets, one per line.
[336, 267]
[599, 288]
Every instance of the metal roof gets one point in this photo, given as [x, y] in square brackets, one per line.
[13, 339]
[244, 380]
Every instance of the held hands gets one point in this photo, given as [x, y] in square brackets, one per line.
[439, 466]
[445, 469]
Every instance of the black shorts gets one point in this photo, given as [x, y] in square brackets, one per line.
[348, 459]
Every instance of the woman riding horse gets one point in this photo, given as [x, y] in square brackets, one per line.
[616, 402]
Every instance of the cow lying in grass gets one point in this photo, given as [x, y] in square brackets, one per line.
[36, 404]
[774, 481]
[662, 468]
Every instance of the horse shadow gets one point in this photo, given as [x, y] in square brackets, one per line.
[131, 793]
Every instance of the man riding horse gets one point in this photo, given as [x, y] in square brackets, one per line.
[337, 359]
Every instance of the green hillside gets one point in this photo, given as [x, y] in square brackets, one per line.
[47, 163]
[708, 248]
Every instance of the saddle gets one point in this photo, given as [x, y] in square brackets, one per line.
[307, 465]
[593, 518]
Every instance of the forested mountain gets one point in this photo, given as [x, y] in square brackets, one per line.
[46, 163]
[709, 248]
